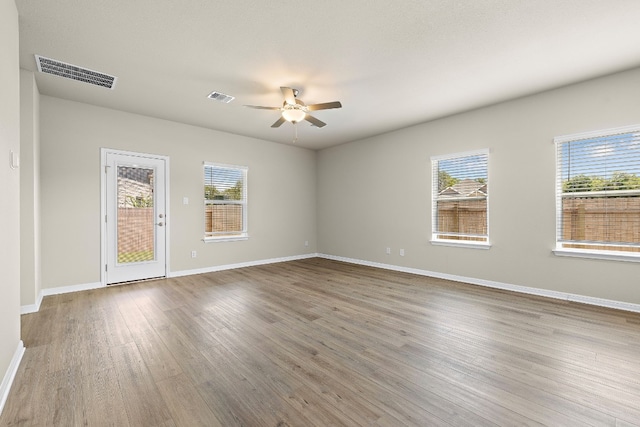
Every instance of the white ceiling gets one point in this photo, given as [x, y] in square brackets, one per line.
[390, 63]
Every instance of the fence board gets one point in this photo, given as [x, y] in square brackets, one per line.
[135, 234]
[223, 218]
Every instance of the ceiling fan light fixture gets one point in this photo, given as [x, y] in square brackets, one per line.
[294, 110]
[293, 115]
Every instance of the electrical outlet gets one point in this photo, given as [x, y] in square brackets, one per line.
[193, 254]
[388, 251]
[185, 200]
[401, 252]
[306, 243]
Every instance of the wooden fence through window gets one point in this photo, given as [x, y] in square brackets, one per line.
[135, 234]
[595, 219]
[463, 216]
[601, 219]
[221, 218]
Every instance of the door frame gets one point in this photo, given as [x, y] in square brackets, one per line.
[103, 207]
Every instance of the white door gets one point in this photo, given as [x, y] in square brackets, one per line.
[135, 217]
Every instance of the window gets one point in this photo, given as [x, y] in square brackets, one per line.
[460, 199]
[598, 194]
[225, 202]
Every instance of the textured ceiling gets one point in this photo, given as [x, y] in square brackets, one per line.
[391, 64]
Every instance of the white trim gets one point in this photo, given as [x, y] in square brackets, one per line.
[461, 243]
[32, 308]
[486, 151]
[225, 165]
[72, 288]
[600, 193]
[10, 374]
[600, 302]
[167, 213]
[211, 239]
[103, 214]
[103, 206]
[240, 265]
[593, 254]
[558, 191]
[596, 133]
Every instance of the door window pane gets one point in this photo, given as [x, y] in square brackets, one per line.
[136, 240]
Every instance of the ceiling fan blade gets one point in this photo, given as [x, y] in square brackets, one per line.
[278, 122]
[288, 94]
[324, 106]
[314, 121]
[263, 108]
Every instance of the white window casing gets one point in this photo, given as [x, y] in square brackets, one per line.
[598, 194]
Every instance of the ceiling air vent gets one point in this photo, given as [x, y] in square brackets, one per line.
[73, 72]
[221, 97]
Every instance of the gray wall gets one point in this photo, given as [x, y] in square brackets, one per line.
[281, 190]
[29, 189]
[376, 193]
[9, 186]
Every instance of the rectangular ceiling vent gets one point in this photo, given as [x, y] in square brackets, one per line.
[73, 72]
[221, 97]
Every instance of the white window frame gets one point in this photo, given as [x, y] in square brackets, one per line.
[244, 233]
[435, 239]
[559, 250]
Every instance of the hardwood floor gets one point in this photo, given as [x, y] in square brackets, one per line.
[323, 343]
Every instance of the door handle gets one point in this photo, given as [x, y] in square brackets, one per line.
[160, 223]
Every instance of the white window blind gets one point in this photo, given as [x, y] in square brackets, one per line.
[598, 191]
[225, 201]
[460, 197]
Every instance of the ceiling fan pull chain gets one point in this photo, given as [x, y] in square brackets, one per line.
[295, 132]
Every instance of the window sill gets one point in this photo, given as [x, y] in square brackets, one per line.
[606, 255]
[461, 244]
[226, 239]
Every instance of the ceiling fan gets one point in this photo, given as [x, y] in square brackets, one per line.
[294, 110]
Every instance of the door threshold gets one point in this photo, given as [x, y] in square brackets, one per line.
[130, 282]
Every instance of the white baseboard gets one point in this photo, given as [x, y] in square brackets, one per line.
[72, 288]
[32, 308]
[239, 265]
[601, 302]
[10, 375]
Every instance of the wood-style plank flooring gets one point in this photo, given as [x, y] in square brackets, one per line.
[323, 343]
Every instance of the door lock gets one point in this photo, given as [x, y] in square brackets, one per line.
[160, 223]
